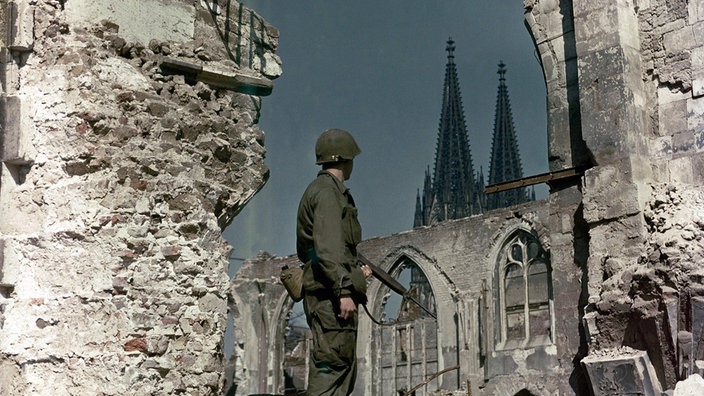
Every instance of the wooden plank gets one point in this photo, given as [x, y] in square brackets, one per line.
[537, 179]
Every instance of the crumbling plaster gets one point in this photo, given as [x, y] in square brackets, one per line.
[118, 177]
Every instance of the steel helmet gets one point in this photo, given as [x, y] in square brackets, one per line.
[334, 145]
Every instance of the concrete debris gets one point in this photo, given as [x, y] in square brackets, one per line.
[692, 386]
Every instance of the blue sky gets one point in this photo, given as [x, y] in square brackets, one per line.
[376, 68]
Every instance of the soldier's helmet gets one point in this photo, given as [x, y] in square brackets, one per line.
[335, 145]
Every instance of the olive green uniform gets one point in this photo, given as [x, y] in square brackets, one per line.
[326, 238]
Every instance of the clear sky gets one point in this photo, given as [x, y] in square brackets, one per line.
[376, 68]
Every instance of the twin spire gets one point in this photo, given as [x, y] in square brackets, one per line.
[455, 190]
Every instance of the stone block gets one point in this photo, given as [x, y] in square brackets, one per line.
[684, 353]
[4, 9]
[556, 34]
[605, 24]
[567, 198]
[610, 192]
[621, 372]
[692, 386]
[697, 49]
[628, 28]
[602, 64]
[683, 142]
[695, 114]
[558, 140]
[596, 30]
[681, 170]
[672, 118]
[680, 40]
[20, 25]
[697, 303]
[10, 138]
[553, 76]
[698, 85]
[696, 11]
[581, 8]
[16, 27]
[667, 95]
[11, 381]
[698, 163]
[642, 4]
[672, 308]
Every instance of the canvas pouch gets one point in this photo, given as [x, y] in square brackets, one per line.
[292, 279]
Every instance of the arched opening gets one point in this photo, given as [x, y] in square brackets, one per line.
[405, 347]
[524, 293]
[296, 347]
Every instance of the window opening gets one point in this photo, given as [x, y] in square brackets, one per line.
[526, 293]
[296, 357]
[406, 348]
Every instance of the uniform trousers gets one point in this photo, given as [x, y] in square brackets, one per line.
[333, 363]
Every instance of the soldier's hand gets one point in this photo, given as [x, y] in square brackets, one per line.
[347, 307]
[366, 271]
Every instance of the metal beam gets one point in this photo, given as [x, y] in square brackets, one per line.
[550, 178]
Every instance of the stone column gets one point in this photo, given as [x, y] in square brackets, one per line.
[552, 27]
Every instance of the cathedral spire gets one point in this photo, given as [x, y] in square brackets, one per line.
[450, 50]
[505, 162]
[454, 192]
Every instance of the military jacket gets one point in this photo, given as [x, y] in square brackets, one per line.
[327, 235]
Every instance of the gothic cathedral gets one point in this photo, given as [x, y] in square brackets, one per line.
[455, 190]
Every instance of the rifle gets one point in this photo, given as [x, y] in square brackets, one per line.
[392, 283]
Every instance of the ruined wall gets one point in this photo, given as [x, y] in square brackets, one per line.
[261, 309]
[625, 101]
[459, 259]
[128, 143]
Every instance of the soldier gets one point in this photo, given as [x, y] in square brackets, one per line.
[327, 235]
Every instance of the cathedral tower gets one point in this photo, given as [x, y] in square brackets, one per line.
[505, 158]
[454, 191]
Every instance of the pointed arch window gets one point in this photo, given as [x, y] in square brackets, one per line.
[406, 349]
[525, 293]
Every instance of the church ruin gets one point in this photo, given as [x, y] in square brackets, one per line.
[595, 290]
[129, 140]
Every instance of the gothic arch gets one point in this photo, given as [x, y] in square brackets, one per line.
[528, 222]
[283, 332]
[442, 287]
[550, 24]
[261, 329]
[522, 289]
[445, 326]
